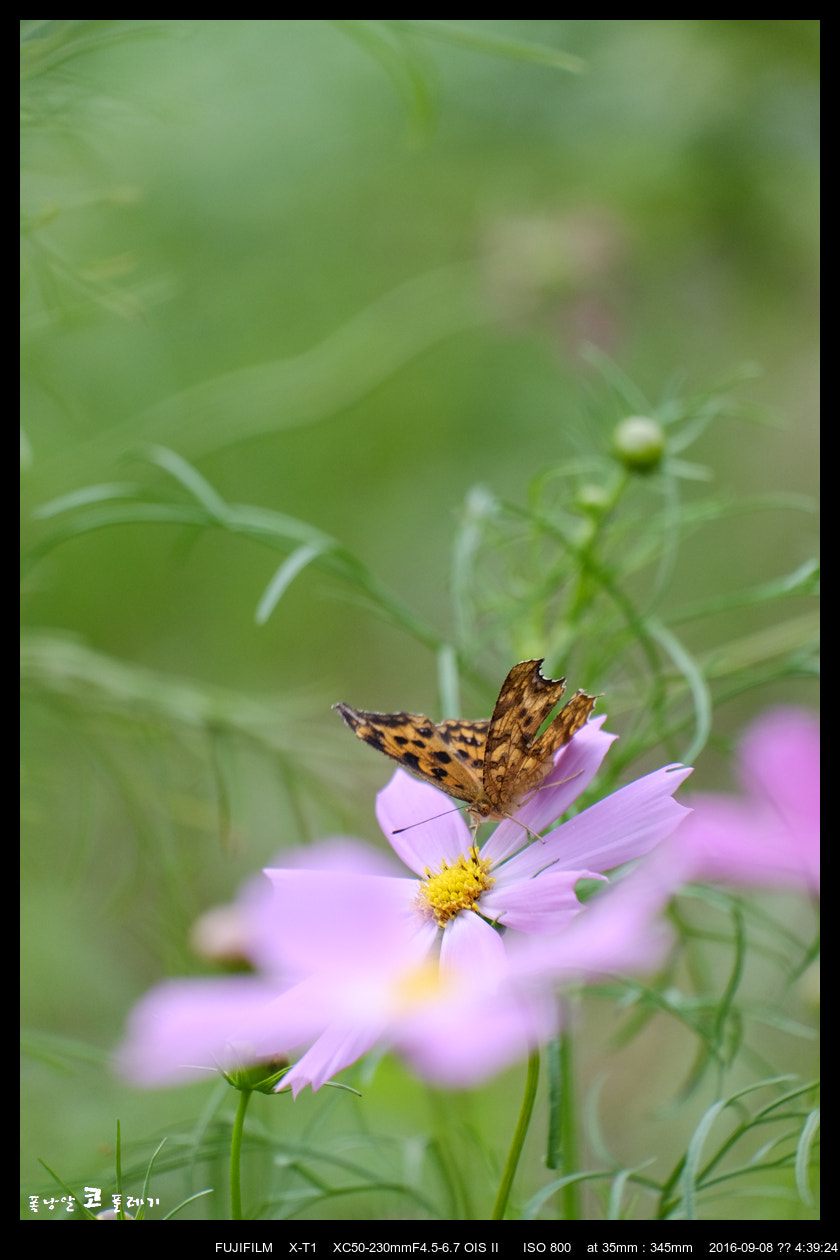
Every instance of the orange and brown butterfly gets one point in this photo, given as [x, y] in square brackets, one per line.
[492, 765]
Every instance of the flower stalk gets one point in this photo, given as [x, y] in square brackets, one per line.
[512, 1162]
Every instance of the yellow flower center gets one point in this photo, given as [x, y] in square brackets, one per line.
[420, 985]
[455, 888]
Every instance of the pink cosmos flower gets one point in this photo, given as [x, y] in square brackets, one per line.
[769, 836]
[350, 956]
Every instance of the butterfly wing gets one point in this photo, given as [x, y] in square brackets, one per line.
[567, 723]
[492, 765]
[448, 756]
[515, 760]
[468, 740]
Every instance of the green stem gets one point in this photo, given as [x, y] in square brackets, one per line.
[236, 1155]
[570, 1194]
[516, 1145]
[585, 588]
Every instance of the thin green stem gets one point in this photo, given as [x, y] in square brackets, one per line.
[118, 1161]
[236, 1155]
[584, 587]
[570, 1194]
[725, 1005]
[500, 1206]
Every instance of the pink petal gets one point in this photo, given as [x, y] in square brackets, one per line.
[335, 1049]
[617, 931]
[321, 917]
[473, 950]
[336, 854]
[617, 829]
[780, 760]
[183, 1029]
[770, 837]
[460, 1043]
[436, 830]
[734, 842]
[545, 904]
[575, 766]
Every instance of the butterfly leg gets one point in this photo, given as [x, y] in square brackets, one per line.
[476, 820]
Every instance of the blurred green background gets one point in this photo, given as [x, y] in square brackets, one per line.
[348, 270]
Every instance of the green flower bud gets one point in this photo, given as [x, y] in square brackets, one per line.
[639, 443]
[593, 498]
[261, 1077]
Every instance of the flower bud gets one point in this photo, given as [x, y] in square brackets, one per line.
[262, 1077]
[592, 498]
[639, 443]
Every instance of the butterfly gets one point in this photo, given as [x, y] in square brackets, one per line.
[494, 764]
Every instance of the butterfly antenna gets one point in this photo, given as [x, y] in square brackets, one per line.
[399, 830]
